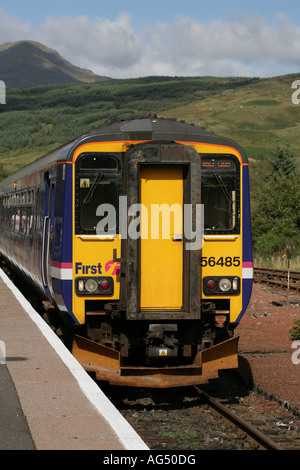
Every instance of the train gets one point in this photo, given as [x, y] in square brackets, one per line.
[136, 237]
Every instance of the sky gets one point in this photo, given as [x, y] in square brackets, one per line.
[128, 39]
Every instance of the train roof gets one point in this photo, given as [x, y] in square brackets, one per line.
[160, 129]
[134, 129]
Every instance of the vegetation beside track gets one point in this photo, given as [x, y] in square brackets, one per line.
[257, 113]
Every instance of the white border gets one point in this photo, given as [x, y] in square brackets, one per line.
[127, 435]
[64, 274]
[247, 273]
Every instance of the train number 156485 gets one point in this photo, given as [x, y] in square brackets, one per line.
[222, 261]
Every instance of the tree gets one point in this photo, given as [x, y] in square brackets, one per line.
[282, 162]
[276, 211]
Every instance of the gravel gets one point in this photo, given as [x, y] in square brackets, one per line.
[267, 396]
[266, 347]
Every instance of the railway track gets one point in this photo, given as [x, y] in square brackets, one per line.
[281, 280]
[262, 441]
[185, 419]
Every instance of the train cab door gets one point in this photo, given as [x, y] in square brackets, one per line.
[48, 218]
[161, 244]
[162, 273]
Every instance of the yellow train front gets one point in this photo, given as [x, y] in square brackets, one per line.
[162, 261]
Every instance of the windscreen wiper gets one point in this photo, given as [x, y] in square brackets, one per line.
[223, 186]
[90, 194]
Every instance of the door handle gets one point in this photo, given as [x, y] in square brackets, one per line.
[177, 238]
[115, 258]
[45, 250]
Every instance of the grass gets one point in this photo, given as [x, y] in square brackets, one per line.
[259, 115]
[184, 439]
[277, 262]
[13, 160]
[36, 120]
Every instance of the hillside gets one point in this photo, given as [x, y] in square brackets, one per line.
[36, 120]
[27, 64]
[257, 113]
[259, 116]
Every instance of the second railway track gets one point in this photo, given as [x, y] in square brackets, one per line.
[278, 279]
[260, 440]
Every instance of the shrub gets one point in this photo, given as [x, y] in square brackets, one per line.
[295, 331]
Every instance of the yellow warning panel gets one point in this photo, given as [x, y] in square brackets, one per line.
[163, 352]
[84, 182]
[161, 247]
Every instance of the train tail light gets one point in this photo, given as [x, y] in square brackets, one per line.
[105, 285]
[211, 284]
[221, 285]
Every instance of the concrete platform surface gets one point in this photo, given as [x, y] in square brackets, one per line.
[47, 400]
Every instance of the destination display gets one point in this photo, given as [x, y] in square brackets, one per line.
[218, 164]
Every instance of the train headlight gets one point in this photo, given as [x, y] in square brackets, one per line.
[94, 285]
[91, 285]
[224, 284]
[213, 285]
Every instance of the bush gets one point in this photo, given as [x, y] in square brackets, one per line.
[3, 172]
[295, 331]
[283, 243]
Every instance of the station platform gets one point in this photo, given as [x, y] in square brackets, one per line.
[47, 400]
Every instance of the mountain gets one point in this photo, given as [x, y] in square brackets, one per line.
[26, 64]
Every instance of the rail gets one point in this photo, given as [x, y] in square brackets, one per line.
[284, 280]
[263, 442]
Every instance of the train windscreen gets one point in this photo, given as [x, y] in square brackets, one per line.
[97, 184]
[220, 194]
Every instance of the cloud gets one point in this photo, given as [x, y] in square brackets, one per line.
[99, 45]
[12, 29]
[224, 48]
[244, 46]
